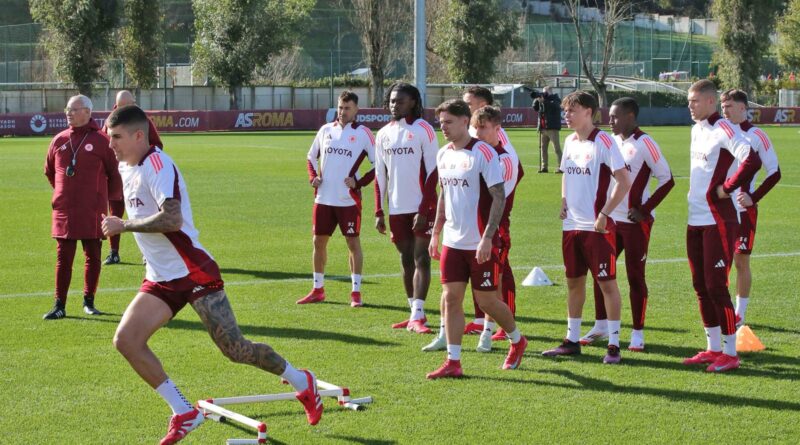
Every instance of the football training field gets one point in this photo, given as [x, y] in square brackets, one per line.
[63, 382]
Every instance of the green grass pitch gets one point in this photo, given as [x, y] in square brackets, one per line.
[63, 381]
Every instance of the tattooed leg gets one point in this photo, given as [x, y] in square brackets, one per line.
[216, 313]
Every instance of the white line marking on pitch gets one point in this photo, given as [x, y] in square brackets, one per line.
[382, 275]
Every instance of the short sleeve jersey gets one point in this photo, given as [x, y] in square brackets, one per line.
[464, 175]
[405, 156]
[337, 153]
[509, 161]
[588, 167]
[172, 255]
[644, 160]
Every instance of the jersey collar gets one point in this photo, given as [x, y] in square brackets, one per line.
[746, 125]
[149, 152]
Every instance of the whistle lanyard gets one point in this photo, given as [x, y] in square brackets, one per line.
[70, 172]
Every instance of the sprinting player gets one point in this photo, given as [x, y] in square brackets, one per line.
[405, 175]
[478, 97]
[590, 159]
[734, 108]
[339, 149]
[718, 151]
[635, 215]
[468, 169]
[115, 203]
[179, 271]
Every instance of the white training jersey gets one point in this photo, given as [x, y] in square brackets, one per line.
[464, 175]
[588, 167]
[405, 159]
[509, 161]
[762, 145]
[717, 149]
[644, 160]
[337, 153]
[169, 255]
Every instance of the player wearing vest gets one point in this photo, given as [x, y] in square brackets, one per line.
[635, 215]
[591, 158]
[179, 272]
[718, 152]
[734, 108]
[338, 151]
[469, 169]
[405, 176]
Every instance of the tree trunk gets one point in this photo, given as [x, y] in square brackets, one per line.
[376, 84]
[85, 88]
[602, 95]
[235, 92]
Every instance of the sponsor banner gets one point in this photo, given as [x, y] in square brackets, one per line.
[35, 124]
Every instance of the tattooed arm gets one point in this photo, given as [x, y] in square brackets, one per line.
[498, 204]
[216, 314]
[169, 219]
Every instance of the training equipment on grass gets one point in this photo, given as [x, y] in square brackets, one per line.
[537, 277]
[746, 340]
[214, 408]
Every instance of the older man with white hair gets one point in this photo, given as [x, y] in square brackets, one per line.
[82, 170]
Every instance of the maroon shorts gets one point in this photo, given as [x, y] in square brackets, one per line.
[590, 251]
[502, 245]
[401, 227]
[176, 293]
[710, 252]
[460, 266]
[326, 218]
[747, 231]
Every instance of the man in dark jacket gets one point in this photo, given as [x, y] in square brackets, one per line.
[548, 105]
[83, 172]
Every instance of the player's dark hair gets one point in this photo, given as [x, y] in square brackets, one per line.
[581, 98]
[456, 107]
[409, 90]
[628, 105]
[734, 95]
[130, 116]
[349, 96]
[487, 113]
[704, 86]
[482, 93]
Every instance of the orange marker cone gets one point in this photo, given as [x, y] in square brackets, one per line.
[746, 340]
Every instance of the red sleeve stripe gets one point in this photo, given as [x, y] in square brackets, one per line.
[428, 129]
[155, 161]
[487, 153]
[370, 135]
[502, 136]
[509, 169]
[726, 128]
[652, 147]
[764, 139]
[606, 140]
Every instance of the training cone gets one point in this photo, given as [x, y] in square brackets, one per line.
[746, 340]
[537, 277]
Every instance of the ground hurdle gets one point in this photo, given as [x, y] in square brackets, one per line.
[215, 408]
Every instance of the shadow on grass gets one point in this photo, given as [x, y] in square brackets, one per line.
[353, 439]
[99, 318]
[277, 275]
[284, 332]
[764, 327]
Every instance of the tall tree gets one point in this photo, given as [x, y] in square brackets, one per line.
[141, 42]
[471, 34]
[788, 32]
[744, 30]
[234, 37]
[614, 12]
[77, 35]
[378, 23]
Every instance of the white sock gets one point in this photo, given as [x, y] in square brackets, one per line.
[741, 305]
[600, 325]
[714, 337]
[637, 337]
[514, 337]
[409, 301]
[319, 280]
[488, 325]
[573, 329]
[442, 333]
[479, 321]
[613, 332]
[356, 279]
[729, 345]
[417, 312]
[173, 396]
[296, 378]
[453, 352]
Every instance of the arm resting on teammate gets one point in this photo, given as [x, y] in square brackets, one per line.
[484, 251]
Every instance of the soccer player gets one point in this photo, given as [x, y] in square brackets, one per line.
[588, 243]
[115, 203]
[339, 149]
[469, 169]
[478, 97]
[178, 271]
[405, 175]
[634, 216]
[718, 151]
[734, 108]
